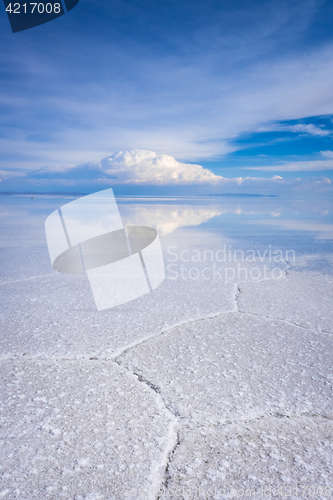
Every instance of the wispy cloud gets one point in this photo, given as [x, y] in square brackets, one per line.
[298, 128]
[310, 129]
[297, 166]
[328, 154]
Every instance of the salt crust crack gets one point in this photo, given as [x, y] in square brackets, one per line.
[160, 475]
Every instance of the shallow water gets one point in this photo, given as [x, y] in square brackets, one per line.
[248, 223]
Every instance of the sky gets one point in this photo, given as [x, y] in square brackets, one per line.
[170, 97]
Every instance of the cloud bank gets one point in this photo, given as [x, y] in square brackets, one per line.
[143, 170]
[145, 167]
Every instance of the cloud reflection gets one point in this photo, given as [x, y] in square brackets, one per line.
[167, 219]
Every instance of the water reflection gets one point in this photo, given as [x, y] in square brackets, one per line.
[166, 219]
[199, 222]
[173, 214]
[169, 214]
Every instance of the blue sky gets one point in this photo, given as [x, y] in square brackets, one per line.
[241, 88]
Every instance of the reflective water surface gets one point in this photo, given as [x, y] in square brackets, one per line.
[200, 223]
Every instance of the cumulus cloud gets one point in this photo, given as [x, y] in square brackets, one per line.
[141, 166]
[138, 168]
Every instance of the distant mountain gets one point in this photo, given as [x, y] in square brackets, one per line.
[35, 193]
[246, 195]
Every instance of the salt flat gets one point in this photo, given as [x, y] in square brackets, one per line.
[219, 384]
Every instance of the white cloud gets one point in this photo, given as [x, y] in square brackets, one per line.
[310, 129]
[327, 154]
[297, 166]
[306, 128]
[11, 173]
[323, 181]
[145, 167]
[141, 166]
